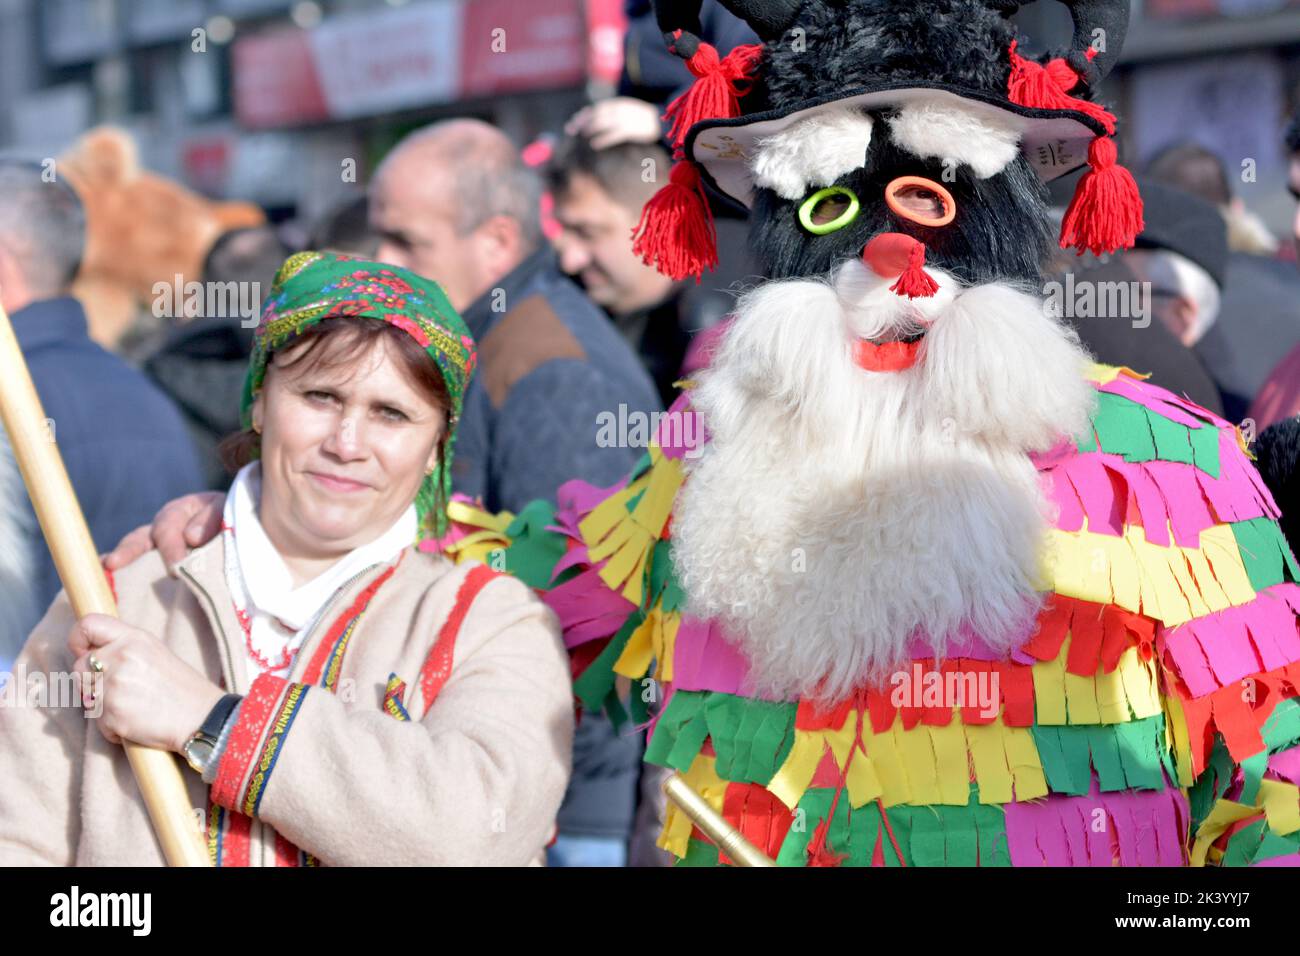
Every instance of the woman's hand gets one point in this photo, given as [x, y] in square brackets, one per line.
[180, 525]
[146, 693]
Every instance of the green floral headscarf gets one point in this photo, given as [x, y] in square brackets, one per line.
[312, 286]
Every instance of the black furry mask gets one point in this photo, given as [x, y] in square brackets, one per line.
[1001, 230]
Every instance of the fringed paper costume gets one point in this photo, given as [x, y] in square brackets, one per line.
[1152, 719]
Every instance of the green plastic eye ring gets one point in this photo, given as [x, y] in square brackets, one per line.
[839, 222]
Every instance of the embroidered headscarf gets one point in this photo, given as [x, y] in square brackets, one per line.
[312, 286]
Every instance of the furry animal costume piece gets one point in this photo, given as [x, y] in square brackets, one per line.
[913, 582]
[141, 229]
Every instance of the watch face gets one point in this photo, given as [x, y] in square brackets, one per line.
[198, 750]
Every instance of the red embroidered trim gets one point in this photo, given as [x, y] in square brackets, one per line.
[437, 666]
[244, 736]
[235, 844]
[318, 661]
[255, 712]
[286, 656]
[286, 854]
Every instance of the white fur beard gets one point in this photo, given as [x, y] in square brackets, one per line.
[837, 514]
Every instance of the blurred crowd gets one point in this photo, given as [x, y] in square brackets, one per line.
[532, 246]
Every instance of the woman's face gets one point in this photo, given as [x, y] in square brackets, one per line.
[344, 449]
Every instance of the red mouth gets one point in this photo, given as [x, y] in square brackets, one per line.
[886, 356]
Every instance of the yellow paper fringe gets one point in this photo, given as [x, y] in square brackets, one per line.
[1105, 374]
[1223, 815]
[654, 640]
[923, 766]
[1130, 692]
[1170, 584]
[704, 780]
[624, 539]
[478, 545]
[1279, 802]
[1177, 738]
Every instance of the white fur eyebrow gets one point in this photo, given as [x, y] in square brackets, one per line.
[982, 139]
[813, 152]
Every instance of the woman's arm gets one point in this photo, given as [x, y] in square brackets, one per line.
[475, 781]
[42, 743]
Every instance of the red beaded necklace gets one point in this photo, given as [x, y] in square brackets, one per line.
[245, 622]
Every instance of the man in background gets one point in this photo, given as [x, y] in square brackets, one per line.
[1172, 281]
[454, 202]
[124, 445]
[202, 363]
[599, 193]
[1260, 306]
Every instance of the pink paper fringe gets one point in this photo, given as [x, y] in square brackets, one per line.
[1218, 649]
[1144, 827]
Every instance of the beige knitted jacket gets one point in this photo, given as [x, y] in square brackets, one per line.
[344, 762]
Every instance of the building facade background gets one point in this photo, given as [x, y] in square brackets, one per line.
[269, 100]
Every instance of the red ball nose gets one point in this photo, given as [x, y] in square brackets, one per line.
[889, 253]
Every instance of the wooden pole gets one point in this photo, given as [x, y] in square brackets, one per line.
[77, 562]
[715, 826]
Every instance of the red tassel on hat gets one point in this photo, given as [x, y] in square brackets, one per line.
[716, 92]
[1037, 86]
[676, 232]
[1106, 211]
[914, 282]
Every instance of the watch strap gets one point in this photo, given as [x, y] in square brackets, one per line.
[216, 718]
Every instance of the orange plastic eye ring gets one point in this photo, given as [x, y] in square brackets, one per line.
[903, 182]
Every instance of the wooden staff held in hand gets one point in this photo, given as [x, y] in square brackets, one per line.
[77, 562]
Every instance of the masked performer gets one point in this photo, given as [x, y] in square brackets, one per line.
[913, 582]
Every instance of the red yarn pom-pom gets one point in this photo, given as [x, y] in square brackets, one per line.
[914, 282]
[716, 92]
[676, 233]
[1106, 211]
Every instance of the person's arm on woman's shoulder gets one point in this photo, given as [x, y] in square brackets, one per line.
[476, 780]
[42, 741]
[181, 524]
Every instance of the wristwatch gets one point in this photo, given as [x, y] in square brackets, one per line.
[198, 749]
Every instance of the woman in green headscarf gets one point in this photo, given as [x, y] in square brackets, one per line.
[342, 696]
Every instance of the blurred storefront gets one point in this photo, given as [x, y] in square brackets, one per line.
[291, 103]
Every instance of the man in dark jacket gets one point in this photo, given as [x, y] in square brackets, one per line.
[598, 197]
[124, 445]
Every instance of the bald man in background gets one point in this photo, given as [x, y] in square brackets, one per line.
[455, 203]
